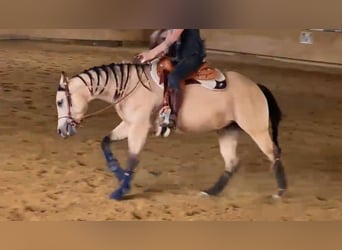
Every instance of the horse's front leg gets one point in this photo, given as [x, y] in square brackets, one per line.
[119, 133]
[137, 134]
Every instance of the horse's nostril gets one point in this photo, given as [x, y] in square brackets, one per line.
[59, 131]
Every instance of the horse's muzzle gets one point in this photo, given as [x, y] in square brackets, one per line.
[67, 130]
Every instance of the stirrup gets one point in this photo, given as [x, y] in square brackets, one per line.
[164, 123]
[164, 115]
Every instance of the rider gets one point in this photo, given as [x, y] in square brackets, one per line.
[189, 53]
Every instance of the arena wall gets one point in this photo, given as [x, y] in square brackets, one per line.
[326, 47]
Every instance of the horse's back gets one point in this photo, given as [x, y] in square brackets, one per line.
[235, 78]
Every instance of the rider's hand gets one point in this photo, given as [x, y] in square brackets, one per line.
[146, 56]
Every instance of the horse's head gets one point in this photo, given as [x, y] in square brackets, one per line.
[72, 104]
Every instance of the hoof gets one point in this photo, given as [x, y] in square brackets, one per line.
[117, 194]
[276, 196]
[279, 195]
[204, 194]
[123, 189]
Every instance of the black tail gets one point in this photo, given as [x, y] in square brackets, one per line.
[275, 113]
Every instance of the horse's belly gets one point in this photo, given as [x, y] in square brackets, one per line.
[203, 117]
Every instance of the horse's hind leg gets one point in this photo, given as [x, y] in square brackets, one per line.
[273, 152]
[119, 133]
[228, 140]
[137, 134]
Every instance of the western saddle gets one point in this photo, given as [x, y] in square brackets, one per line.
[165, 66]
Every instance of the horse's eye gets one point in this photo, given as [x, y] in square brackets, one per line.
[60, 103]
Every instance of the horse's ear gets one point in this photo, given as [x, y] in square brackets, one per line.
[64, 79]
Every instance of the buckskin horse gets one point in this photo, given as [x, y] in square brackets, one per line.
[226, 103]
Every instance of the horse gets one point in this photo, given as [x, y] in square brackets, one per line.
[226, 103]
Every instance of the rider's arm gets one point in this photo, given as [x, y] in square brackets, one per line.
[172, 36]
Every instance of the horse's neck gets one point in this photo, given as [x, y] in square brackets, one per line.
[76, 86]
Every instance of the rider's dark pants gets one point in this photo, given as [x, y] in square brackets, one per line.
[183, 69]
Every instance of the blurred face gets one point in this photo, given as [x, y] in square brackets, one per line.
[69, 110]
[157, 37]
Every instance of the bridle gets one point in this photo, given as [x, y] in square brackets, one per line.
[71, 121]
